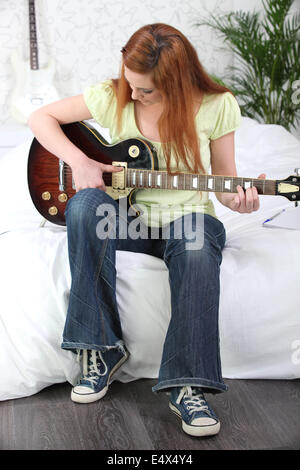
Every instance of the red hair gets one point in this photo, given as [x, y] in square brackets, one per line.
[178, 75]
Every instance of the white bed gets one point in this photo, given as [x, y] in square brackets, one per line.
[260, 272]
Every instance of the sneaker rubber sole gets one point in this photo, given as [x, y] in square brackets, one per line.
[197, 431]
[91, 397]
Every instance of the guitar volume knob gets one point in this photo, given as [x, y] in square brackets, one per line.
[46, 195]
[134, 151]
[62, 197]
[53, 210]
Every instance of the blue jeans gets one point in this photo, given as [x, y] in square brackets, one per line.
[191, 352]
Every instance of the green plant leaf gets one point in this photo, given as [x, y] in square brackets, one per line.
[266, 52]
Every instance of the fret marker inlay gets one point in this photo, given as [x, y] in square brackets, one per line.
[210, 183]
[227, 184]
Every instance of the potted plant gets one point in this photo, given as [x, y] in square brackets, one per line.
[266, 74]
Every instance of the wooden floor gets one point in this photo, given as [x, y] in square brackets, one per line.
[254, 414]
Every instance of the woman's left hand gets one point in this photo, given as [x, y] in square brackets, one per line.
[244, 201]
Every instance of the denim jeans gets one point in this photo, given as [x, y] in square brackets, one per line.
[191, 351]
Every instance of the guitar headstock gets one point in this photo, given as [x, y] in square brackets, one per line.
[290, 187]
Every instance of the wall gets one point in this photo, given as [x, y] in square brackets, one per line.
[84, 38]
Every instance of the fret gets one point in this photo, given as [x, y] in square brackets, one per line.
[153, 179]
[219, 183]
[144, 178]
[260, 185]
[164, 180]
[188, 181]
[202, 182]
[133, 178]
[167, 181]
[237, 182]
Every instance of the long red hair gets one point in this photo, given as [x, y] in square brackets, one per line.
[177, 73]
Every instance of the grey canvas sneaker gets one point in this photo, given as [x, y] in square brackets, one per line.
[98, 369]
[189, 404]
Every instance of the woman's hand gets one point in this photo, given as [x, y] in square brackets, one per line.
[89, 174]
[244, 201]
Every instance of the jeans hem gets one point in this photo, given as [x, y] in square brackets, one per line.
[209, 385]
[120, 345]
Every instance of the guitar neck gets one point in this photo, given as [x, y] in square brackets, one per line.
[186, 181]
[34, 59]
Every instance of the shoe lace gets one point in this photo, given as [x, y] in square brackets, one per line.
[91, 360]
[194, 401]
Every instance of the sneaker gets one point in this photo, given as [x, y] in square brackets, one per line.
[189, 404]
[97, 374]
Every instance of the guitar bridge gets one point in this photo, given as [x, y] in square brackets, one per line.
[61, 183]
[119, 178]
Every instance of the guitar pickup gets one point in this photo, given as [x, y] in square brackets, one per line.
[119, 177]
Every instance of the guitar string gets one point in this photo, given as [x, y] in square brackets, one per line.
[262, 184]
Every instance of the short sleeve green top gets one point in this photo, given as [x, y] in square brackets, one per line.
[219, 114]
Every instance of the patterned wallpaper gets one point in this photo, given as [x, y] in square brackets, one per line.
[83, 38]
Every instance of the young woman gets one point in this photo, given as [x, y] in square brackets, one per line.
[163, 95]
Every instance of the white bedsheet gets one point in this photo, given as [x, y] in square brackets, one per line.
[260, 272]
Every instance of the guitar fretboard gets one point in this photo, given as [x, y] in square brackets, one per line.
[155, 179]
[34, 60]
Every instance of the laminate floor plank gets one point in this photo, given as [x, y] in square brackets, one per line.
[245, 423]
[113, 422]
[254, 414]
[279, 404]
[6, 425]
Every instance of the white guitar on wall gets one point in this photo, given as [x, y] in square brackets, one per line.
[34, 85]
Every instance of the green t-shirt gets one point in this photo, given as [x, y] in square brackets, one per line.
[218, 115]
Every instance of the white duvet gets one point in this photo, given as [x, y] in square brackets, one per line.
[260, 288]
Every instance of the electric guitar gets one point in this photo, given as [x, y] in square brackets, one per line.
[51, 184]
[34, 85]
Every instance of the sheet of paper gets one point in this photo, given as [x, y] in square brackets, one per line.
[288, 218]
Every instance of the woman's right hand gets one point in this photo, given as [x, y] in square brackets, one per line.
[46, 124]
[88, 173]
